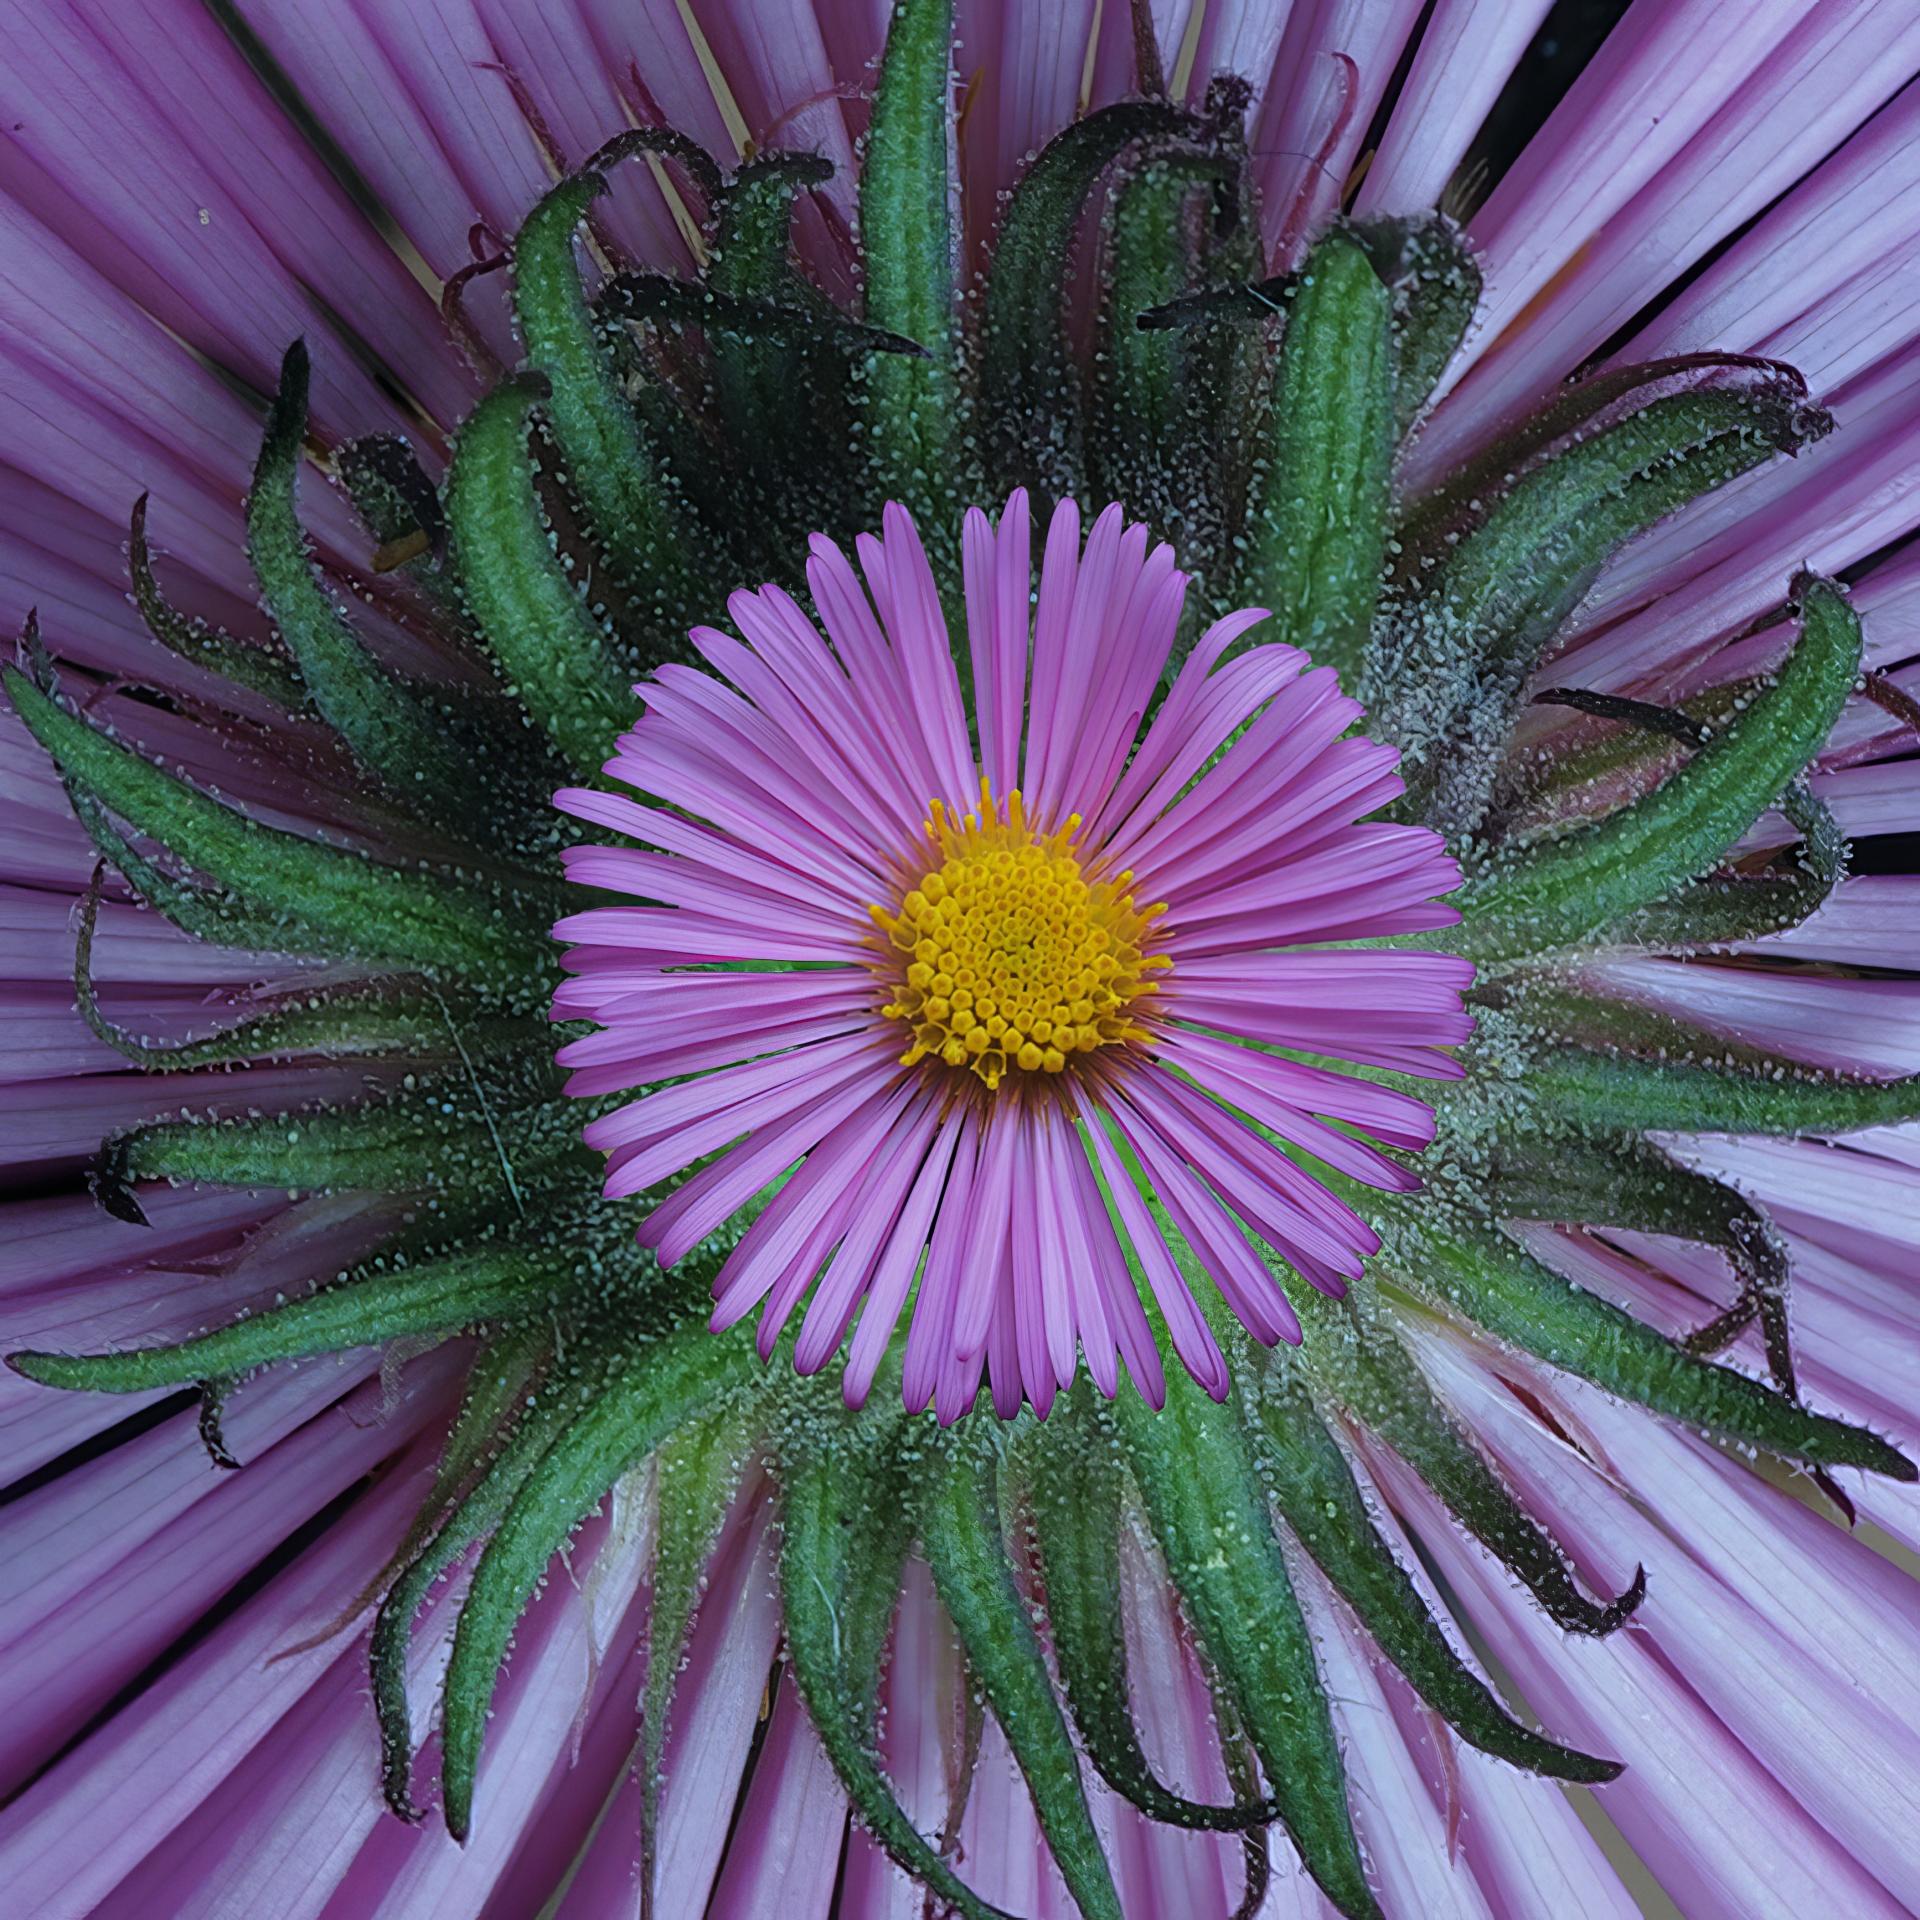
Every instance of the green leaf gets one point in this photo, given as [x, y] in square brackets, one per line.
[1314, 1487]
[626, 498]
[1553, 1012]
[1720, 909]
[264, 670]
[1318, 526]
[1030, 383]
[1728, 909]
[504, 1461]
[846, 1525]
[441, 1136]
[1627, 1183]
[908, 195]
[1143, 429]
[201, 911]
[1434, 281]
[1074, 1484]
[497, 1384]
[1617, 1093]
[1358, 1365]
[1469, 491]
[388, 726]
[397, 504]
[753, 322]
[960, 1533]
[557, 656]
[668, 1376]
[1480, 1273]
[1194, 1465]
[325, 1024]
[1445, 679]
[439, 1297]
[1570, 888]
[325, 898]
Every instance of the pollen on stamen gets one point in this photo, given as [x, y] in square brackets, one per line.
[1005, 957]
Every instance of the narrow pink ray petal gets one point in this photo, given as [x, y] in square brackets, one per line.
[1656, 81]
[720, 1190]
[1200, 715]
[1073, 606]
[1140, 638]
[1192, 1338]
[716, 1713]
[893, 1273]
[628, 1061]
[175, 1746]
[901, 582]
[930, 1332]
[787, 1857]
[1402, 1831]
[1748, 1595]
[877, 673]
[977, 1285]
[1213, 1235]
[1714, 1826]
[1330, 75]
[996, 571]
[843, 1286]
[1835, 63]
[1213, 1065]
[1068, 1249]
[1253, 1176]
[822, 724]
[1468, 51]
[920, 1741]
[696, 706]
[216, 215]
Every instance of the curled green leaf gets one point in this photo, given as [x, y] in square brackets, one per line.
[960, 1532]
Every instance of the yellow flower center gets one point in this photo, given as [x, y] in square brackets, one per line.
[1005, 957]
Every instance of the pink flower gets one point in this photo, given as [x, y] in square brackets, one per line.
[985, 969]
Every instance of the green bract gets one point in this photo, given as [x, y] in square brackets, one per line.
[668, 441]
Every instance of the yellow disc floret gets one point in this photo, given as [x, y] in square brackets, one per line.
[1004, 958]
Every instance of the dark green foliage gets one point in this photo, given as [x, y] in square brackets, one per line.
[1194, 1464]
[1360, 1370]
[625, 498]
[1485, 1277]
[329, 899]
[1030, 396]
[907, 195]
[555, 654]
[264, 670]
[392, 729]
[1446, 678]
[960, 1534]
[660, 1374]
[1433, 283]
[846, 1525]
[1581, 883]
[1074, 1488]
[447, 1133]
[1315, 1489]
[438, 1297]
[1318, 527]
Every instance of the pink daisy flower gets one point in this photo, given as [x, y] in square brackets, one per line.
[983, 969]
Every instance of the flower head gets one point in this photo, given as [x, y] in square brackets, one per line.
[1007, 1037]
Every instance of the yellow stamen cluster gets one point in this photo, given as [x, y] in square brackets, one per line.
[1004, 958]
